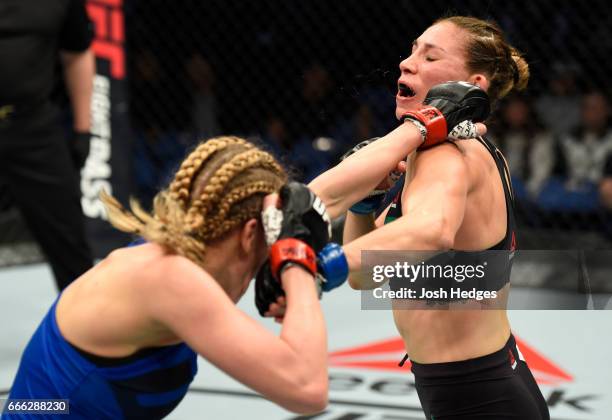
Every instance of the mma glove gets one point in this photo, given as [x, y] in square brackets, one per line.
[304, 216]
[449, 111]
[330, 269]
[303, 240]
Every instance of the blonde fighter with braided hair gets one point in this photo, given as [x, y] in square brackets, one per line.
[196, 209]
[121, 341]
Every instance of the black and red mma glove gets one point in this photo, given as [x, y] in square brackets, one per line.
[291, 250]
[450, 111]
[305, 230]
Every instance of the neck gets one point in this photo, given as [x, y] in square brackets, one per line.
[220, 264]
[215, 262]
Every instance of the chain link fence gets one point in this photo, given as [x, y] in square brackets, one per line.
[308, 79]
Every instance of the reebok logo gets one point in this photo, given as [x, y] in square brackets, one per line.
[386, 354]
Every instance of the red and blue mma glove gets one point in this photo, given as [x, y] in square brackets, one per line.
[450, 111]
[303, 240]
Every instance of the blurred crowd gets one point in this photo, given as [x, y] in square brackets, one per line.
[558, 144]
[322, 122]
[559, 149]
[308, 87]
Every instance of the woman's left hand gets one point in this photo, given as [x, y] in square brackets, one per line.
[277, 309]
[393, 176]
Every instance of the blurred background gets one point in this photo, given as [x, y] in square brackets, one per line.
[309, 79]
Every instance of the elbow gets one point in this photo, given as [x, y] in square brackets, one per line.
[328, 195]
[315, 398]
[446, 241]
[303, 387]
[310, 399]
[354, 283]
[358, 282]
[441, 236]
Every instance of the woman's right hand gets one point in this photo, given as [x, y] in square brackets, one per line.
[452, 111]
[303, 229]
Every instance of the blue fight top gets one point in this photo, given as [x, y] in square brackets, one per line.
[146, 385]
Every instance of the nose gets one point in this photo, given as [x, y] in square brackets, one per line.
[408, 65]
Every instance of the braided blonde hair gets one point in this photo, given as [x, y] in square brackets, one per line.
[219, 186]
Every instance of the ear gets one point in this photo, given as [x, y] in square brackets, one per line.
[248, 236]
[479, 80]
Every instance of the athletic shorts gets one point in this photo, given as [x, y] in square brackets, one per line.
[497, 386]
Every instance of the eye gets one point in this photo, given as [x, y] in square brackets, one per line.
[428, 58]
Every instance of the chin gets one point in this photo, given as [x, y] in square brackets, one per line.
[238, 296]
[399, 112]
[405, 106]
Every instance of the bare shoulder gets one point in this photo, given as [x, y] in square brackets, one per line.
[173, 290]
[446, 160]
[152, 271]
[175, 273]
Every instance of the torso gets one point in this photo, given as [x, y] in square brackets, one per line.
[436, 336]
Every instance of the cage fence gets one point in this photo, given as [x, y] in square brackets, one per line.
[308, 79]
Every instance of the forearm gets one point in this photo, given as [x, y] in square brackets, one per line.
[79, 71]
[354, 178]
[357, 225]
[303, 324]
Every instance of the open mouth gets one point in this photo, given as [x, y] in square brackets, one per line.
[405, 91]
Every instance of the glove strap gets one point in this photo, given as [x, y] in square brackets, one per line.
[463, 130]
[291, 250]
[333, 266]
[272, 220]
[434, 122]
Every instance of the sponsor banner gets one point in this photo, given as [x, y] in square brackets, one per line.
[108, 165]
[566, 351]
[384, 355]
[479, 280]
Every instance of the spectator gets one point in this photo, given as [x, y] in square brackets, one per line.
[204, 104]
[319, 123]
[146, 83]
[528, 147]
[605, 187]
[559, 109]
[582, 158]
[275, 137]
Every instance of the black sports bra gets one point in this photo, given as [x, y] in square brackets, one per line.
[508, 242]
